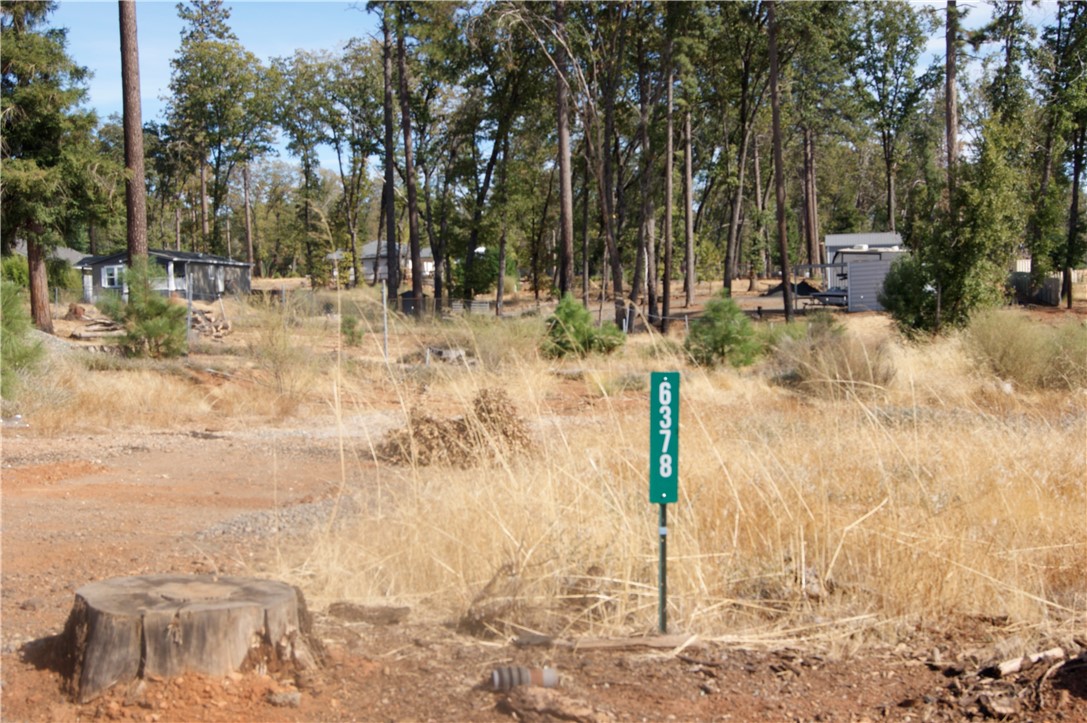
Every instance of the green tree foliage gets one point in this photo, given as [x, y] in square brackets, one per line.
[154, 326]
[303, 81]
[482, 276]
[45, 136]
[220, 108]
[893, 34]
[862, 123]
[722, 334]
[18, 353]
[571, 332]
[909, 296]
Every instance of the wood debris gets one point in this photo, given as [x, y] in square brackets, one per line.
[99, 329]
[203, 322]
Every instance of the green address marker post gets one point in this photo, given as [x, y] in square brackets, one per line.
[663, 466]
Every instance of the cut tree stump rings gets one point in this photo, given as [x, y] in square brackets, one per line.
[166, 625]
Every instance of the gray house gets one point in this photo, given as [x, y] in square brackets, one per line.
[858, 265]
[375, 267]
[205, 275]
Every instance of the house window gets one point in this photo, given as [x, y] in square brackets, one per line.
[111, 276]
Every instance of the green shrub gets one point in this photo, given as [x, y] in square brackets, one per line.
[154, 327]
[570, 331]
[17, 352]
[1032, 355]
[909, 297]
[350, 330]
[59, 273]
[16, 271]
[722, 334]
[773, 335]
[63, 276]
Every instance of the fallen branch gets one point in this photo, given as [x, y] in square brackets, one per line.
[1016, 665]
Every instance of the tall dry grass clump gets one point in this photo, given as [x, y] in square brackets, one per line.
[286, 364]
[1030, 354]
[841, 516]
[827, 360]
[81, 392]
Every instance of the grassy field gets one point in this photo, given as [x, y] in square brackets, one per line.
[846, 488]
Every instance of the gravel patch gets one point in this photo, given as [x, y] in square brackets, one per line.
[294, 521]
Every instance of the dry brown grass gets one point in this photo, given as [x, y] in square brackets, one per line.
[846, 516]
[941, 498]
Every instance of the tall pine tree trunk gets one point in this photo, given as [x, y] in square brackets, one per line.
[811, 207]
[585, 236]
[203, 203]
[669, 152]
[779, 163]
[607, 189]
[135, 191]
[647, 227]
[1073, 252]
[566, 180]
[249, 254]
[40, 313]
[409, 171]
[392, 255]
[951, 107]
[689, 280]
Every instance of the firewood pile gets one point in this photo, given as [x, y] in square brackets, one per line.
[204, 323]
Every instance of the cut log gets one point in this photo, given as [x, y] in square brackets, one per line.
[166, 625]
[89, 334]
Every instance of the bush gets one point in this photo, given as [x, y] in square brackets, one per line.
[909, 297]
[63, 276]
[154, 326]
[570, 331]
[17, 352]
[829, 362]
[16, 271]
[722, 334]
[59, 273]
[483, 276]
[1032, 355]
[350, 330]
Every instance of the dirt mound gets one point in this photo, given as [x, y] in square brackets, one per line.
[492, 430]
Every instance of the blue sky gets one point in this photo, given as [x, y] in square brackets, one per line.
[272, 29]
[267, 29]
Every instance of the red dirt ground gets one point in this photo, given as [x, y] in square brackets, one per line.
[135, 505]
[78, 509]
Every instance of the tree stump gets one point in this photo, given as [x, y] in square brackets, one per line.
[165, 625]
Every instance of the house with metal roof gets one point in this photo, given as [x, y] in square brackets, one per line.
[185, 274]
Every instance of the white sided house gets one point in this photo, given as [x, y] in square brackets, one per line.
[859, 263]
[374, 266]
[205, 276]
